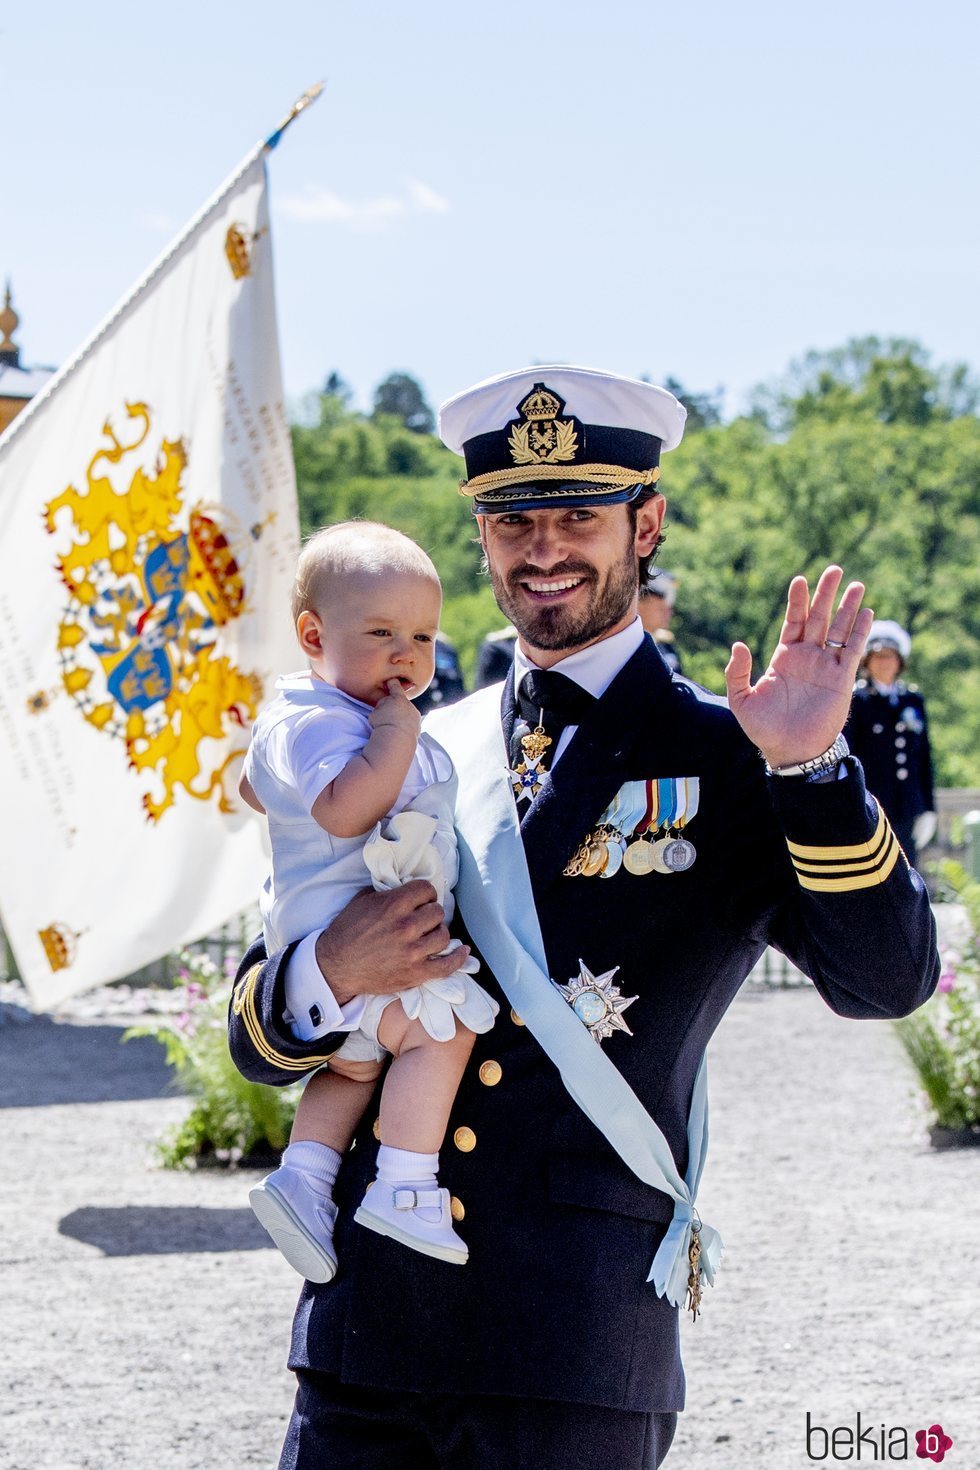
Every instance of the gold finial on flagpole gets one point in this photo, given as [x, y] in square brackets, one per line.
[300, 105]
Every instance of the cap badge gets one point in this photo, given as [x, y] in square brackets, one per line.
[539, 436]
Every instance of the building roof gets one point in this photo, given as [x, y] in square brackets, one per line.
[20, 382]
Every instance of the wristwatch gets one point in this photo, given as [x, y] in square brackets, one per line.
[820, 765]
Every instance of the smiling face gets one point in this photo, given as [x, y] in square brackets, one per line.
[372, 626]
[568, 577]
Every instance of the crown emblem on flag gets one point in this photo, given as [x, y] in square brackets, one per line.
[214, 567]
[60, 945]
[238, 250]
[151, 587]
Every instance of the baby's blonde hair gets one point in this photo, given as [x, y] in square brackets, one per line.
[353, 546]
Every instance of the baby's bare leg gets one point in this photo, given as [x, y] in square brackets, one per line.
[333, 1102]
[422, 1081]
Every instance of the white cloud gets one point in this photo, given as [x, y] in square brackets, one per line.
[425, 199]
[161, 223]
[324, 206]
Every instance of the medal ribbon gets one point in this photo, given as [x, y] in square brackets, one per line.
[651, 802]
[688, 804]
[666, 803]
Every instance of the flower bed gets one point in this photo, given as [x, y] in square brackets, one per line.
[942, 1039]
[232, 1121]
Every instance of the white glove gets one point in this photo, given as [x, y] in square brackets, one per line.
[396, 852]
[924, 828]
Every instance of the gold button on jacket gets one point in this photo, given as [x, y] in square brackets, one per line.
[491, 1073]
[465, 1140]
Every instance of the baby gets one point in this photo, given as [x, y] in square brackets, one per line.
[354, 794]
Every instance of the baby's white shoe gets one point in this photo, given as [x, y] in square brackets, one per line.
[300, 1220]
[397, 1212]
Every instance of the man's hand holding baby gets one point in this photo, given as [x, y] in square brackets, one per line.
[385, 942]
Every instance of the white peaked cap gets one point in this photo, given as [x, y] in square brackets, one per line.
[591, 396]
[550, 436]
[885, 633]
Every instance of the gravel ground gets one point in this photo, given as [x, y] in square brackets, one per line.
[145, 1320]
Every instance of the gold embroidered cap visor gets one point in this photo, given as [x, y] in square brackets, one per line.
[553, 435]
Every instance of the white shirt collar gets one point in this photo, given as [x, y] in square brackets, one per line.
[595, 667]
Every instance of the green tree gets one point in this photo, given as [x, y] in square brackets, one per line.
[875, 465]
[891, 380]
[703, 409]
[401, 396]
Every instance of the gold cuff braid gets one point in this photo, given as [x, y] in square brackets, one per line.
[613, 477]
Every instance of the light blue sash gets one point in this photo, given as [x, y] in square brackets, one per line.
[497, 904]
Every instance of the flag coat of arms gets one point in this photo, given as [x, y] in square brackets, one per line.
[148, 536]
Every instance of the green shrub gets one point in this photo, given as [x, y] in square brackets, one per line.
[230, 1118]
[942, 1038]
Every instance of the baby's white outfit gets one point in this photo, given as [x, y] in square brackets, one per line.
[300, 743]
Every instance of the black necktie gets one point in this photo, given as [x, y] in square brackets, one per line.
[553, 700]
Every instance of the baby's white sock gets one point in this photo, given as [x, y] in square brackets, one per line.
[399, 1168]
[318, 1161]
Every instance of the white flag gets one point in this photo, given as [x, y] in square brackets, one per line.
[148, 535]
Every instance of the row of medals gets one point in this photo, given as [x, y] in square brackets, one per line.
[606, 850]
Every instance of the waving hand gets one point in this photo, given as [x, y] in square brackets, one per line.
[798, 707]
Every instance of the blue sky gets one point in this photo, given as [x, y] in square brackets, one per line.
[704, 191]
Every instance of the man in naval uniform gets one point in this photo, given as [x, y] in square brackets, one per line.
[628, 847]
[658, 593]
[495, 656]
[887, 731]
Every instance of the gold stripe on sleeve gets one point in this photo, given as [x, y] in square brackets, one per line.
[850, 882]
[243, 1004]
[852, 854]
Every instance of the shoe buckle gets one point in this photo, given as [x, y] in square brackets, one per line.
[413, 1199]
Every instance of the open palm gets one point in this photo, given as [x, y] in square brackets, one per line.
[798, 707]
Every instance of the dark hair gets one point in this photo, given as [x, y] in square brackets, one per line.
[646, 562]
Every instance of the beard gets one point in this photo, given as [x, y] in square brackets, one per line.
[560, 627]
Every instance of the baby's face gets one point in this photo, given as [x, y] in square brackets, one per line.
[374, 628]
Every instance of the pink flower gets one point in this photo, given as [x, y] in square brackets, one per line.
[947, 981]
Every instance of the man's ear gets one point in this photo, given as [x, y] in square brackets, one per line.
[481, 523]
[649, 519]
[309, 631]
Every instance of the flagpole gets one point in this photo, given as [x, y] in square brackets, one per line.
[160, 264]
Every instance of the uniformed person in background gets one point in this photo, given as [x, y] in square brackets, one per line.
[494, 659]
[447, 682]
[621, 836]
[887, 730]
[658, 594]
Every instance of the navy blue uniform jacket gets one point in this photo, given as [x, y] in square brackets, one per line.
[889, 735]
[554, 1301]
